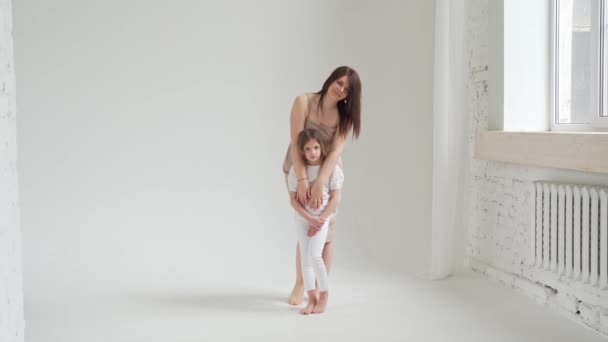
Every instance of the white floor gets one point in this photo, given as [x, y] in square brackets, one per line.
[363, 307]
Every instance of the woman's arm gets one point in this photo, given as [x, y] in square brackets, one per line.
[296, 123]
[297, 206]
[316, 195]
[334, 200]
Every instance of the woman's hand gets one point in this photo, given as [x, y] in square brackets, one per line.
[316, 195]
[303, 191]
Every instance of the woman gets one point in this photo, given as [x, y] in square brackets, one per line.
[335, 111]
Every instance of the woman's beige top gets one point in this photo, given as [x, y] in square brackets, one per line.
[327, 134]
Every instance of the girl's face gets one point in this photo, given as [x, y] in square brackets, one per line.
[312, 152]
[339, 89]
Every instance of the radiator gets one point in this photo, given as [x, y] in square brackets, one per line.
[569, 235]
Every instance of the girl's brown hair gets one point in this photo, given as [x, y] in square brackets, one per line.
[309, 134]
[350, 107]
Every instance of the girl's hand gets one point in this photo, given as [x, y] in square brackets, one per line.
[313, 230]
[316, 221]
[316, 195]
[303, 191]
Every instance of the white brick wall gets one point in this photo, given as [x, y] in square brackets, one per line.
[11, 290]
[498, 218]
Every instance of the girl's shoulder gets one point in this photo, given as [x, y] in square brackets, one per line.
[337, 172]
[336, 179]
[291, 180]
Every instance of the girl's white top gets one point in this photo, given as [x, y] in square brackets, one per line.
[334, 183]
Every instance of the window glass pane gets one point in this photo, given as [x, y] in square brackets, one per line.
[604, 59]
[574, 61]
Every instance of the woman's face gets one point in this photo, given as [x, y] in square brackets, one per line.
[339, 89]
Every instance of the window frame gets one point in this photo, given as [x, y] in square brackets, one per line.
[597, 41]
[602, 13]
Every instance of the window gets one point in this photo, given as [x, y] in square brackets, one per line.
[580, 64]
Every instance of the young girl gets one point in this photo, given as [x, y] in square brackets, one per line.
[312, 224]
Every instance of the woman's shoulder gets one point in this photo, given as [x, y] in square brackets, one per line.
[301, 103]
[303, 98]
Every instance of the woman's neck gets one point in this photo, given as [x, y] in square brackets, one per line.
[327, 105]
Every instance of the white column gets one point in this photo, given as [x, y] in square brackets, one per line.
[449, 125]
[11, 289]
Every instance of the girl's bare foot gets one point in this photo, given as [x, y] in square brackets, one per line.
[321, 303]
[312, 302]
[309, 307]
[297, 294]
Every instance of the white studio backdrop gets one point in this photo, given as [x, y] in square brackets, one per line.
[151, 137]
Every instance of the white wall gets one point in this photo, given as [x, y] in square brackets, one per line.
[11, 290]
[387, 201]
[152, 136]
[499, 208]
[495, 58]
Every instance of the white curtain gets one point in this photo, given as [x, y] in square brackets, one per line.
[449, 123]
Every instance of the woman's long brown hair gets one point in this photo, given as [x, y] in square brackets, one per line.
[350, 111]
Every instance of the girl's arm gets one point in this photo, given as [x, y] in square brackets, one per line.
[296, 123]
[316, 194]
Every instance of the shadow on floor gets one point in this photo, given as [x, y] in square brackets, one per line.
[254, 301]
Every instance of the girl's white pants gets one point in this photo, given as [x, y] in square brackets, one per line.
[311, 250]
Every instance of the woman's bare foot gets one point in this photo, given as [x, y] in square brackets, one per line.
[321, 303]
[297, 294]
[312, 302]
